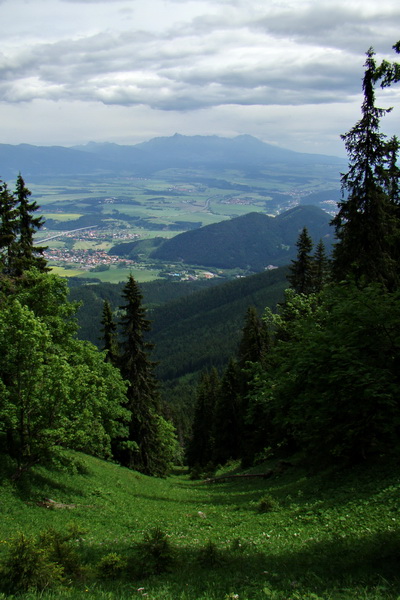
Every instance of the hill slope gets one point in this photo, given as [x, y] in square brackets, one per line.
[328, 535]
[203, 330]
[195, 325]
[252, 241]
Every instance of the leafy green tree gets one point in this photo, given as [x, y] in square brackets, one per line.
[57, 391]
[28, 255]
[148, 431]
[335, 384]
[301, 269]
[367, 225]
[109, 331]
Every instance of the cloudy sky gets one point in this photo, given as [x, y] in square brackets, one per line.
[286, 71]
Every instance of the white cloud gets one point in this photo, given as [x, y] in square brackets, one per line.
[173, 59]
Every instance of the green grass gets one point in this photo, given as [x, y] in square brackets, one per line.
[331, 537]
[113, 275]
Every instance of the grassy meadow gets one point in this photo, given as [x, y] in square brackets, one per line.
[293, 536]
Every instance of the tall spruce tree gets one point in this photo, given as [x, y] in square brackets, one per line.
[253, 350]
[109, 334]
[200, 450]
[142, 451]
[27, 255]
[228, 417]
[8, 228]
[320, 267]
[367, 225]
[302, 269]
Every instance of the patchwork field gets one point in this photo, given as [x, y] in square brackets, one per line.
[92, 216]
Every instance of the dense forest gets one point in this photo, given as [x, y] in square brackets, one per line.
[315, 374]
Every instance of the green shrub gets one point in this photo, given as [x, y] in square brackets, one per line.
[155, 554]
[267, 504]
[209, 555]
[58, 547]
[27, 567]
[111, 566]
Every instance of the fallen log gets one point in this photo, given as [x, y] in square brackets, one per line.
[239, 476]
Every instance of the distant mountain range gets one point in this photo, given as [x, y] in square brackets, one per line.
[252, 241]
[214, 153]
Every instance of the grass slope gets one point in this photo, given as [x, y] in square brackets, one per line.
[332, 536]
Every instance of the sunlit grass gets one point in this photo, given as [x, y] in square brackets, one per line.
[325, 537]
[62, 217]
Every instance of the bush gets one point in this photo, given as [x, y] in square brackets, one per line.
[267, 504]
[58, 547]
[209, 555]
[112, 566]
[28, 567]
[155, 552]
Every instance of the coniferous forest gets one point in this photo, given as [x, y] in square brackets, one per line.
[311, 379]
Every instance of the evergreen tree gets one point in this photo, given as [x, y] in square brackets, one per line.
[200, 449]
[27, 254]
[254, 342]
[149, 434]
[367, 227]
[301, 269]
[109, 331]
[228, 417]
[253, 350]
[8, 228]
[387, 72]
[320, 267]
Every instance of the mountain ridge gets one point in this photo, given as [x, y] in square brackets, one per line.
[251, 241]
[243, 152]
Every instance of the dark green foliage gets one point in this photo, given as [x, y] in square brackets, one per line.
[155, 553]
[204, 330]
[253, 349]
[28, 255]
[151, 440]
[112, 566]
[301, 269]
[110, 337]
[8, 227]
[388, 73]
[201, 446]
[254, 343]
[209, 555]
[60, 547]
[28, 567]
[267, 504]
[367, 224]
[228, 416]
[321, 267]
[251, 241]
[57, 391]
[17, 227]
[334, 387]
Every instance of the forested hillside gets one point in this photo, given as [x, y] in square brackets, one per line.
[252, 241]
[304, 379]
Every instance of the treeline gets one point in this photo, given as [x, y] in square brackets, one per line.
[320, 378]
[58, 392]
